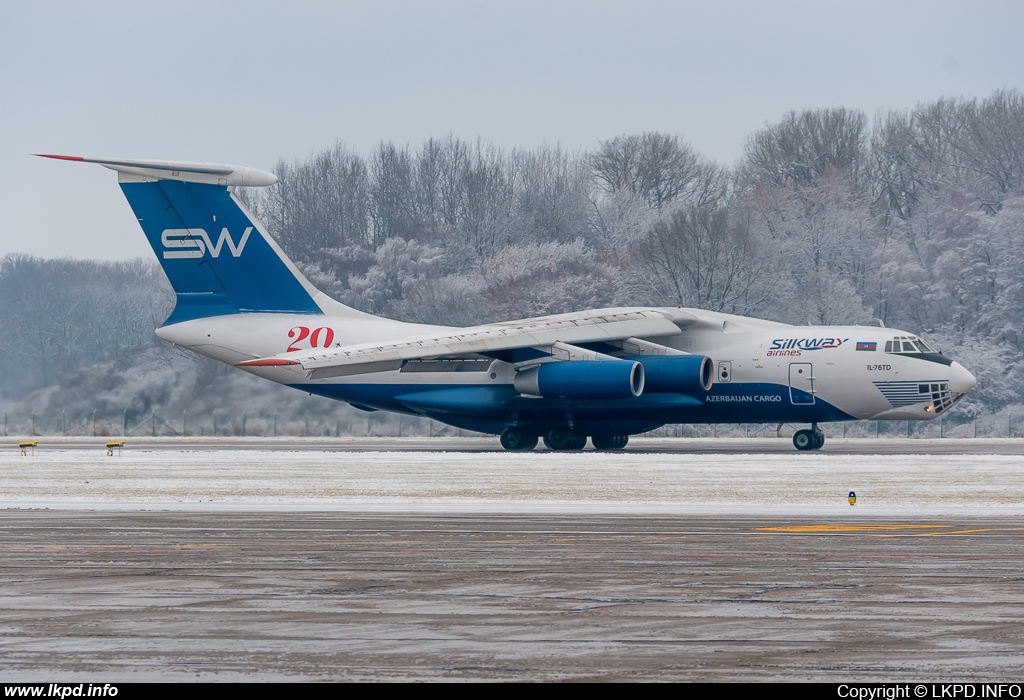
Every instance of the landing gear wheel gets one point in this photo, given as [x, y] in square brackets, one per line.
[565, 440]
[805, 440]
[819, 437]
[609, 442]
[516, 439]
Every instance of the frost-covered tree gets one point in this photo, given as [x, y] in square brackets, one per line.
[398, 266]
[320, 203]
[1004, 316]
[704, 258]
[657, 167]
[998, 368]
[61, 315]
[453, 300]
[822, 241]
[545, 278]
[967, 149]
[992, 145]
[552, 201]
[807, 145]
[391, 194]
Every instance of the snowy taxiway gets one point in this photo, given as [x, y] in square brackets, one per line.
[637, 482]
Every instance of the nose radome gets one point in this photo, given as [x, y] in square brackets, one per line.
[960, 380]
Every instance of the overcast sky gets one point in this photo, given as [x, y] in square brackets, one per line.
[252, 82]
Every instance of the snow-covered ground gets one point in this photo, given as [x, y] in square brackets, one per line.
[809, 484]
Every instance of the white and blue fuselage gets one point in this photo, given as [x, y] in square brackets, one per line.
[602, 374]
[764, 371]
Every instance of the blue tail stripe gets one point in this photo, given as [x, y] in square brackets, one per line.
[216, 258]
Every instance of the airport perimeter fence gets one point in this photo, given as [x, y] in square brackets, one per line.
[224, 424]
[1001, 425]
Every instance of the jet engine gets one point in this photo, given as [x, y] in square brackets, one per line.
[676, 374]
[593, 379]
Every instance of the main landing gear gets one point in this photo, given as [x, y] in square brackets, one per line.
[516, 439]
[812, 439]
[560, 440]
[609, 442]
[565, 440]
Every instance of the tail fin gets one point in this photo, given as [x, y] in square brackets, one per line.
[217, 256]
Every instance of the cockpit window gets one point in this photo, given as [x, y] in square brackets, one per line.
[908, 345]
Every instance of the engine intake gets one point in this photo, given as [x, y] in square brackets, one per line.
[595, 379]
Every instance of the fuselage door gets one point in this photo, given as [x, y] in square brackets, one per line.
[801, 383]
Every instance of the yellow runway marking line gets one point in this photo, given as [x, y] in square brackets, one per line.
[971, 532]
[834, 528]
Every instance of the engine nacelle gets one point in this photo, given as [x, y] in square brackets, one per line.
[590, 379]
[676, 374]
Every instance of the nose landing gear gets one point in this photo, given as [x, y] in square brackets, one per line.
[812, 439]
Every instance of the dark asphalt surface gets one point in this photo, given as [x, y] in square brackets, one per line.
[135, 596]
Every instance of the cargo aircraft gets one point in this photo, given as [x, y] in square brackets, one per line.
[605, 374]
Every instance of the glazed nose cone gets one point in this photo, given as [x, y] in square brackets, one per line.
[960, 380]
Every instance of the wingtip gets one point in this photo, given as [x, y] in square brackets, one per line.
[56, 156]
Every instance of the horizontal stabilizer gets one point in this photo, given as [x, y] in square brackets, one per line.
[184, 171]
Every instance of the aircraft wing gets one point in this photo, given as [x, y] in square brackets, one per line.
[539, 333]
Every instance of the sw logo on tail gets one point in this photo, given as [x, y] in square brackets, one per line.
[183, 243]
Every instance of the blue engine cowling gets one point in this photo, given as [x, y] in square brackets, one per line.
[676, 374]
[587, 379]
